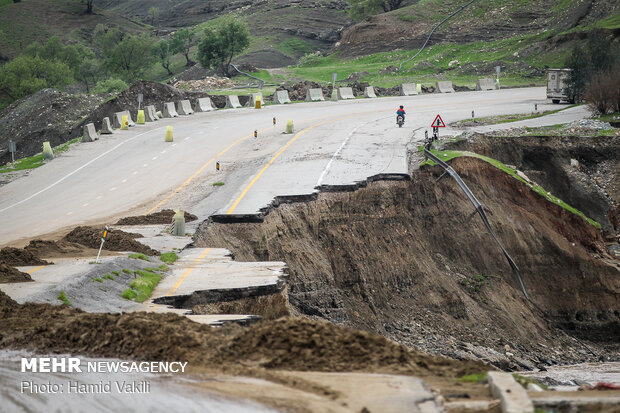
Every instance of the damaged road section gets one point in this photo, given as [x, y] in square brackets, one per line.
[403, 259]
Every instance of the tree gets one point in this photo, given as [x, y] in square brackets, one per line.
[128, 57]
[360, 9]
[181, 42]
[217, 48]
[577, 80]
[153, 13]
[25, 75]
[161, 51]
[89, 73]
[89, 6]
[54, 50]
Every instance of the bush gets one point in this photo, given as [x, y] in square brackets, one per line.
[603, 92]
[111, 85]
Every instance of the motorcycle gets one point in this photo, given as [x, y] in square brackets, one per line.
[400, 119]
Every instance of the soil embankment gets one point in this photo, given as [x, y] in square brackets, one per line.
[290, 344]
[404, 259]
[582, 171]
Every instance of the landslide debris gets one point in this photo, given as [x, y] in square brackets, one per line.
[9, 274]
[117, 240]
[406, 260]
[18, 257]
[291, 344]
[48, 248]
[159, 217]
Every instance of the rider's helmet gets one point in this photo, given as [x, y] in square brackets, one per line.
[402, 107]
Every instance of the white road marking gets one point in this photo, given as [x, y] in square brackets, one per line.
[134, 173]
[85, 205]
[163, 152]
[187, 138]
[145, 165]
[124, 180]
[100, 196]
[113, 189]
[70, 213]
[154, 158]
[75, 171]
[174, 144]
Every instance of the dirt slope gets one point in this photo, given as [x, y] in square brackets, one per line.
[404, 260]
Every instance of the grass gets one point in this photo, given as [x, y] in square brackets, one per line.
[142, 287]
[475, 284]
[128, 272]
[218, 183]
[99, 280]
[108, 277]
[494, 120]
[474, 378]
[448, 155]
[524, 381]
[63, 297]
[169, 257]
[35, 161]
[117, 273]
[163, 268]
[138, 256]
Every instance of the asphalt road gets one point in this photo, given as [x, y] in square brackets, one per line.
[134, 172]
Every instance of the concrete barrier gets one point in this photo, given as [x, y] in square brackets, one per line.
[252, 101]
[369, 92]
[117, 119]
[48, 152]
[408, 89]
[513, 397]
[314, 95]
[184, 107]
[485, 84]
[131, 122]
[281, 97]
[90, 134]
[345, 93]
[170, 111]
[204, 105]
[444, 87]
[232, 101]
[149, 114]
[106, 129]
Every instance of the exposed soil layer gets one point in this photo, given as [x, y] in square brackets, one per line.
[406, 260]
[285, 343]
[18, 257]
[159, 217]
[117, 240]
[591, 183]
[268, 307]
[9, 274]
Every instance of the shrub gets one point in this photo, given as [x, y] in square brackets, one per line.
[603, 92]
[63, 297]
[111, 85]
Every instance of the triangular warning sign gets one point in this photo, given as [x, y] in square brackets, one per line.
[438, 123]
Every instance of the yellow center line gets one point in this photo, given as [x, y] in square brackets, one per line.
[35, 269]
[187, 272]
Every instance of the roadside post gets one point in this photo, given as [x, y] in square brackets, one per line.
[106, 232]
[497, 70]
[140, 99]
[334, 92]
[13, 148]
[437, 123]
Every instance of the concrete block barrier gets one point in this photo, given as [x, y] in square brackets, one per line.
[90, 134]
[281, 97]
[48, 152]
[485, 84]
[204, 105]
[408, 89]
[252, 101]
[149, 114]
[117, 119]
[314, 95]
[444, 87]
[513, 397]
[345, 93]
[170, 111]
[184, 107]
[232, 101]
[369, 92]
[106, 128]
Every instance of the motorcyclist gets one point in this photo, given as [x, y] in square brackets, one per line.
[401, 112]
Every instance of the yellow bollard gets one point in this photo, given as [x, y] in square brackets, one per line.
[48, 153]
[257, 103]
[124, 123]
[141, 119]
[169, 134]
[289, 126]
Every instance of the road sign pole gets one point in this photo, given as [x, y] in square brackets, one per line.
[103, 238]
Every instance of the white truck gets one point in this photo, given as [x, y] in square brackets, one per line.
[556, 85]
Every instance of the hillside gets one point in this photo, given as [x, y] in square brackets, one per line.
[484, 20]
[37, 20]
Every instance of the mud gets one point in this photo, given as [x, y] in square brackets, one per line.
[49, 249]
[18, 257]
[117, 240]
[406, 260]
[159, 217]
[294, 344]
[9, 274]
